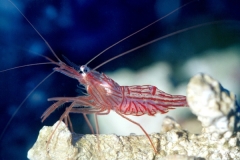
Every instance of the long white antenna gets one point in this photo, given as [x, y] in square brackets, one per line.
[27, 65]
[157, 39]
[29, 94]
[139, 31]
[50, 48]
[44, 63]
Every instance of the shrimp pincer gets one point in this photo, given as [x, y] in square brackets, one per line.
[104, 95]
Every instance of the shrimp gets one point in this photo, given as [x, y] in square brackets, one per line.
[104, 95]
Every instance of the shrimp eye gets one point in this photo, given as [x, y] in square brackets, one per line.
[84, 69]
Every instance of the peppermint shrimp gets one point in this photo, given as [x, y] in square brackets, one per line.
[103, 94]
[63, 68]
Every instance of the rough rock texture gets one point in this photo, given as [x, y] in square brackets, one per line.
[219, 113]
[214, 106]
[60, 146]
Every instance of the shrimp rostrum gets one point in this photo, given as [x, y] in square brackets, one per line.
[104, 94]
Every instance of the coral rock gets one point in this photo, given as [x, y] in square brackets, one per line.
[214, 106]
[58, 147]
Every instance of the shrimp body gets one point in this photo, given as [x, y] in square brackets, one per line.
[104, 95]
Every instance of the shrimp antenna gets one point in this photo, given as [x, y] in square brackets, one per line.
[15, 112]
[33, 64]
[140, 30]
[50, 48]
[158, 39]
[51, 62]
[27, 65]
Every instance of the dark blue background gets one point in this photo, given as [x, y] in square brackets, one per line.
[80, 30]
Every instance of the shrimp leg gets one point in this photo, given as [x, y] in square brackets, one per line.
[140, 127]
[66, 118]
[76, 102]
[51, 109]
[86, 111]
[83, 101]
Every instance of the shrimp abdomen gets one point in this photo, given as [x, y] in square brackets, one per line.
[147, 99]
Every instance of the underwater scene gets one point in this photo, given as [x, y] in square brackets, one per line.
[201, 37]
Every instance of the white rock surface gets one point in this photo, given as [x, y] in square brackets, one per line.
[214, 106]
[59, 146]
